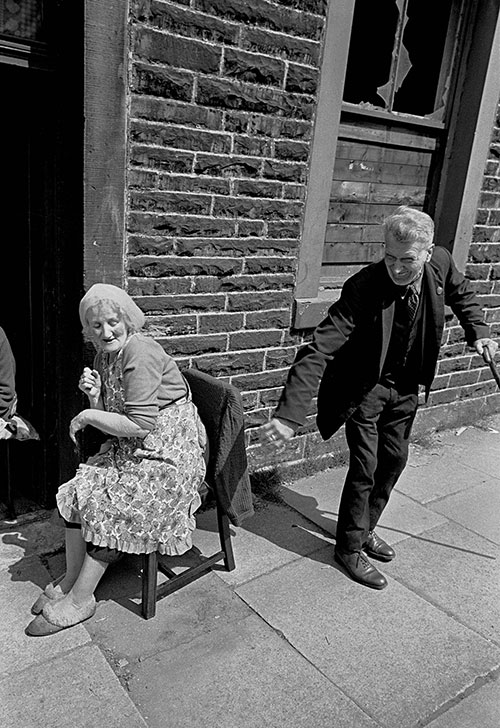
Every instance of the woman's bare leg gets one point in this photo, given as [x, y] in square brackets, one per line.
[75, 555]
[89, 577]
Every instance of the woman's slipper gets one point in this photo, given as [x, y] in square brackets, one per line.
[58, 615]
[52, 592]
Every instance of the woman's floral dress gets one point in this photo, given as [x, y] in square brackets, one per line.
[139, 495]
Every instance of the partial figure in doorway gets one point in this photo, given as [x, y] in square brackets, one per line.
[12, 425]
[140, 492]
[378, 343]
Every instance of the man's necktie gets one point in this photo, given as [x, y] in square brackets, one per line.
[412, 299]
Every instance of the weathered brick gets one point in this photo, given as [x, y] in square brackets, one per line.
[158, 287]
[193, 184]
[301, 79]
[279, 358]
[254, 339]
[180, 304]
[452, 350]
[270, 397]
[168, 160]
[155, 267]
[485, 234]
[257, 188]
[494, 217]
[207, 343]
[280, 45]
[226, 94]
[491, 168]
[229, 364]
[440, 382]
[268, 319]
[183, 21]
[179, 137]
[228, 166]
[257, 418]
[257, 282]
[256, 208]
[482, 217]
[489, 200]
[457, 364]
[259, 380]
[143, 222]
[287, 229]
[138, 245]
[252, 146]
[139, 178]
[292, 151]
[263, 14]
[250, 228]
[287, 172]
[214, 322]
[255, 301]
[233, 246]
[294, 192]
[491, 184]
[273, 127]
[194, 55]
[164, 82]
[250, 400]
[167, 111]
[158, 326]
[460, 378]
[477, 272]
[484, 253]
[177, 202]
[253, 68]
[482, 288]
[270, 265]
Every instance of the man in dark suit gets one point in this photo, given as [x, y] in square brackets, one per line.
[378, 343]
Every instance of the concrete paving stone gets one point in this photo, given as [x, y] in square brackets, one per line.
[77, 689]
[243, 675]
[457, 570]
[28, 539]
[477, 509]
[274, 536]
[19, 587]
[479, 709]
[394, 654]
[439, 477]
[317, 498]
[198, 608]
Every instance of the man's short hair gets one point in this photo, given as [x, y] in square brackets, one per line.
[410, 225]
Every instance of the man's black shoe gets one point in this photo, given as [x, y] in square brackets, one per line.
[360, 569]
[377, 548]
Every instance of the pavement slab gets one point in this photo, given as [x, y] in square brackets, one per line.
[19, 587]
[196, 609]
[477, 509]
[458, 571]
[394, 654]
[480, 709]
[317, 498]
[274, 536]
[243, 675]
[78, 689]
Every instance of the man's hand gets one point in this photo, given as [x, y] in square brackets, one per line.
[486, 347]
[277, 431]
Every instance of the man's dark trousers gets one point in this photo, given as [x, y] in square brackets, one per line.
[378, 438]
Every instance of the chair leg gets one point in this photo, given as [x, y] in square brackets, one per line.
[149, 581]
[225, 539]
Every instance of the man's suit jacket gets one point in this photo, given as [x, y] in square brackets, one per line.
[348, 350]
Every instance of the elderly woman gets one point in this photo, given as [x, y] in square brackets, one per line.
[139, 493]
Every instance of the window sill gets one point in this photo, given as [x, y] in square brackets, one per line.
[310, 311]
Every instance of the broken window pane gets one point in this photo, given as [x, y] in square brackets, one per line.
[400, 54]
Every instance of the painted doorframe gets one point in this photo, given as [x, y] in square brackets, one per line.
[105, 135]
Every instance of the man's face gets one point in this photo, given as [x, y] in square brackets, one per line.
[405, 261]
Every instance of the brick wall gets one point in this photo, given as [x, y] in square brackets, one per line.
[222, 99]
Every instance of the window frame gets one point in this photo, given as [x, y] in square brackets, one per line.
[469, 131]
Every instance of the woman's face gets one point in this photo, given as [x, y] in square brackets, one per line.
[107, 328]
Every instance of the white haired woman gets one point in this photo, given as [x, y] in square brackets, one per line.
[139, 493]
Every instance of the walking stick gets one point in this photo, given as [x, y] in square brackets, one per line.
[491, 364]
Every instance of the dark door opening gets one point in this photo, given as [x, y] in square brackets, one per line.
[41, 245]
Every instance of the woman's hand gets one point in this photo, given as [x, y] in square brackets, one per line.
[90, 383]
[78, 423]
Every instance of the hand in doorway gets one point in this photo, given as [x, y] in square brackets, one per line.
[90, 383]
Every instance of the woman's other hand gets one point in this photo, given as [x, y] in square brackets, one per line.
[90, 383]
[78, 423]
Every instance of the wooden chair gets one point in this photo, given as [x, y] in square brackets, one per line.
[152, 563]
